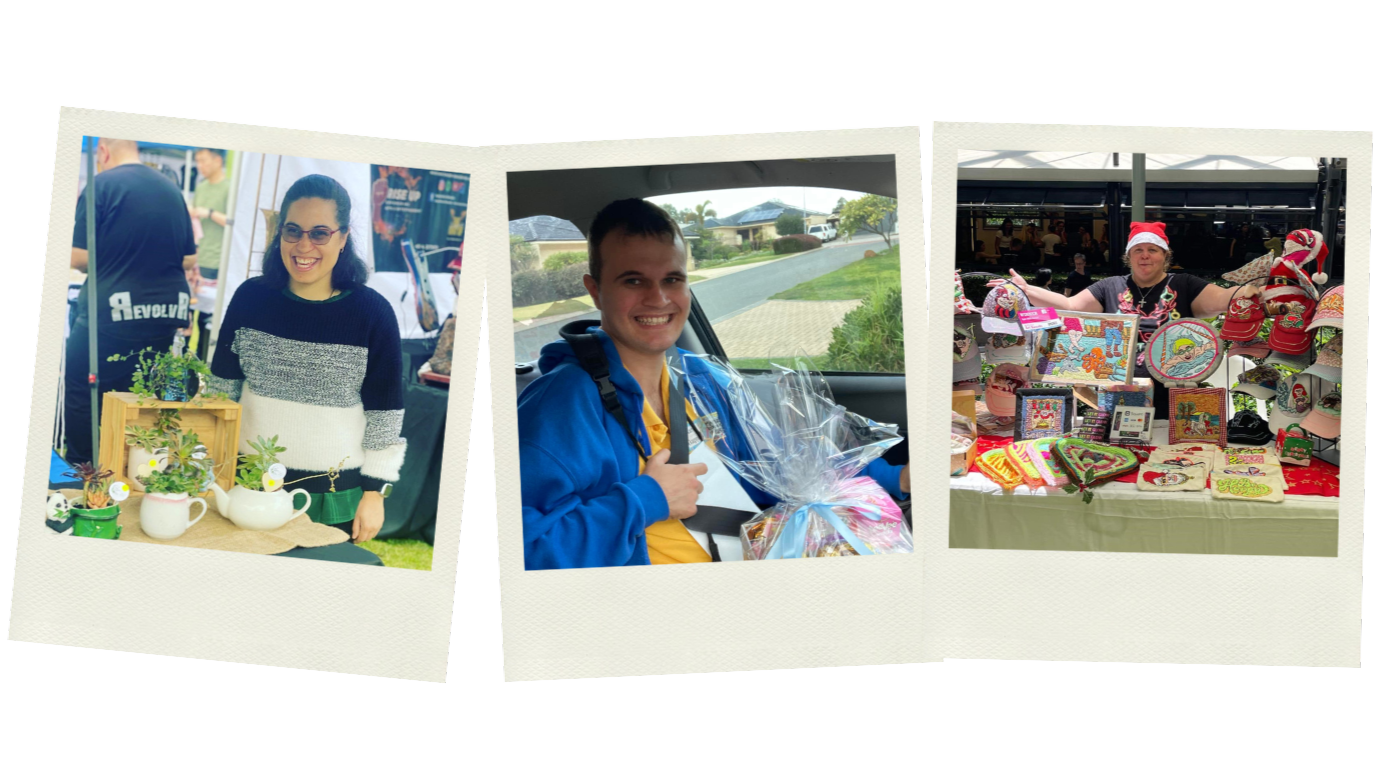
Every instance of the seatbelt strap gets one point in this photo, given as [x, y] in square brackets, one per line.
[592, 358]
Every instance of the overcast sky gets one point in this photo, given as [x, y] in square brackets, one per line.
[728, 202]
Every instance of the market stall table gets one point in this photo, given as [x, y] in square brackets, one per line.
[299, 537]
[1123, 519]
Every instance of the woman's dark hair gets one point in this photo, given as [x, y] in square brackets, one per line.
[1043, 278]
[349, 271]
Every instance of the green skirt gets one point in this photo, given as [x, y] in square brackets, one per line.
[334, 508]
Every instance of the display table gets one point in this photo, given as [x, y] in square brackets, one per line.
[299, 537]
[1121, 518]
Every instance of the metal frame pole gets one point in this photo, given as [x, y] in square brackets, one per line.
[216, 323]
[92, 297]
[1138, 187]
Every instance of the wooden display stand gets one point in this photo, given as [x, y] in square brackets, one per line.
[218, 424]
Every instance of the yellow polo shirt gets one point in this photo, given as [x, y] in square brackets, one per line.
[668, 541]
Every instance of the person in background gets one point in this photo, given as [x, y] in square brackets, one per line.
[1010, 255]
[1028, 253]
[1051, 241]
[1003, 237]
[1256, 243]
[209, 208]
[144, 248]
[1043, 278]
[1031, 238]
[981, 256]
[1078, 280]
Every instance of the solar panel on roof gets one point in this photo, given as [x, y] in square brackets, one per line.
[763, 214]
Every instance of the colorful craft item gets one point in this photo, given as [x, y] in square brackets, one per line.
[1139, 393]
[1183, 352]
[1293, 401]
[1097, 349]
[966, 356]
[1043, 413]
[1018, 453]
[960, 303]
[1330, 310]
[1257, 349]
[1325, 419]
[1329, 364]
[1002, 348]
[1259, 488]
[996, 466]
[1095, 426]
[1159, 478]
[1293, 446]
[1077, 457]
[1259, 382]
[1249, 455]
[1005, 380]
[1199, 416]
[1245, 314]
[1001, 310]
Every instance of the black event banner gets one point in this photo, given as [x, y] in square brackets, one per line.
[427, 207]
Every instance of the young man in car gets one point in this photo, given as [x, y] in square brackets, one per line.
[590, 495]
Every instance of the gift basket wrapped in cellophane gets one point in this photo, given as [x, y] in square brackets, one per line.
[795, 443]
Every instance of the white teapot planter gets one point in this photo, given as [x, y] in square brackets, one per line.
[166, 517]
[250, 509]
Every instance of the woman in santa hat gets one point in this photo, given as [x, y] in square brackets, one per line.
[1151, 291]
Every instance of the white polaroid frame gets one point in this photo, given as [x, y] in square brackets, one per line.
[594, 622]
[229, 606]
[1175, 608]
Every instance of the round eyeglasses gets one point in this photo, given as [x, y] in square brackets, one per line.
[292, 233]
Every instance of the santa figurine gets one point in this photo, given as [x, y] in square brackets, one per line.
[1288, 293]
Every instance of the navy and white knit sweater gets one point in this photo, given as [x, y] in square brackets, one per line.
[324, 376]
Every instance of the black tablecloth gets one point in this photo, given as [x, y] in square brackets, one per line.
[411, 509]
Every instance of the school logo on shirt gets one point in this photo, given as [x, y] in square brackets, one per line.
[123, 310]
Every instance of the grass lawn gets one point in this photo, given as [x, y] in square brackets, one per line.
[785, 361]
[853, 281]
[415, 555]
[577, 305]
[750, 258]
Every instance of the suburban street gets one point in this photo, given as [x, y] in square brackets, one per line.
[727, 293]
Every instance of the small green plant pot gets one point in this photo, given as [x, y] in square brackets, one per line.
[96, 522]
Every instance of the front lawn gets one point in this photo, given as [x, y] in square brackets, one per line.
[853, 281]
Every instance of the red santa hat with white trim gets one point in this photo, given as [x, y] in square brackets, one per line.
[1154, 233]
[1305, 244]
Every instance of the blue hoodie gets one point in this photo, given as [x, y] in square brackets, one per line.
[584, 502]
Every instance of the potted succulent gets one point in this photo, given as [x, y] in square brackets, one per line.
[164, 511]
[170, 376]
[144, 456]
[259, 500]
[96, 516]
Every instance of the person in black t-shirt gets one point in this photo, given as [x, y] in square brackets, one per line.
[1151, 291]
[1078, 279]
[144, 247]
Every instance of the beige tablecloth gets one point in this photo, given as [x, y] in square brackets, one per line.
[215, 531]
[1121, 518]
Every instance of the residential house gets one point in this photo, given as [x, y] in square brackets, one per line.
[551, 235]
[755, 224]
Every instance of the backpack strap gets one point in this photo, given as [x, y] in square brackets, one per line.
[592, 358]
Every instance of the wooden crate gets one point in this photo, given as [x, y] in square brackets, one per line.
[218, 424]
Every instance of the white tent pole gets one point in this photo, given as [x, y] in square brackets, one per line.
[216, 322]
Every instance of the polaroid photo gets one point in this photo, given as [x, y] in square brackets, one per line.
[1139, 223]
[246, 356]
[732, 280]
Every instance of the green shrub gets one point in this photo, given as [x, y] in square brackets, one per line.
[871, 338]
[534, 286]
[796, 244]
[567, 258]
[788, 224]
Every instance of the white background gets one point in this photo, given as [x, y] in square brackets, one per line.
[535, 73]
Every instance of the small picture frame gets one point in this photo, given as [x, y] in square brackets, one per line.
[1132, 424]
[1043, 413]
[1094, 349]
[1199, 416]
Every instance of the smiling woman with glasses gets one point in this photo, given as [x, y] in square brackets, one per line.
[314, 357]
